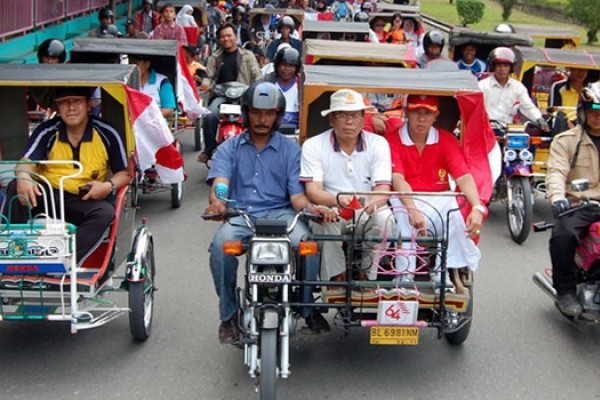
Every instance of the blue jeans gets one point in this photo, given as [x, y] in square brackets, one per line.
[224, 267]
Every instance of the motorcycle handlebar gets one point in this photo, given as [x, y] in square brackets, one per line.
[543, 225]
[580, 206]
[236, 212]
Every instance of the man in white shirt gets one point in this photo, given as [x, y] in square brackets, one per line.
[505, 96]
[347, 158]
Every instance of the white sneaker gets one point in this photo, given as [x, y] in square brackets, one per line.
[436, 278]
[404, 278]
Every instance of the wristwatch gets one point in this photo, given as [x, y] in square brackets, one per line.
[113, 187]
[481, 208]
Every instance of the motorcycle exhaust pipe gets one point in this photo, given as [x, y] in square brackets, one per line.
[544, 284]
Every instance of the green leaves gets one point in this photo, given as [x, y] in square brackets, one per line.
[587, 14]
[470, 11]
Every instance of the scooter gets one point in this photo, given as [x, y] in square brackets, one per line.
[587, 262]
[230, 122]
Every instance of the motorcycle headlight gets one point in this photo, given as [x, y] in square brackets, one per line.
[269, 253]
[234, 92]
[525, 155]
[517, 141]
[510, 155]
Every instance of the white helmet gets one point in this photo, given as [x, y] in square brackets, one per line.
[504, 28]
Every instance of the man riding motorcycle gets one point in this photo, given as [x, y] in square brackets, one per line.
[503, 94]
[261, 168]
[288, 64]
[574, 154]
[227, 64]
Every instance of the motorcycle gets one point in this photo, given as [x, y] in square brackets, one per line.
[265, 317]
[587, 257]
[230, 122]
[514, 184]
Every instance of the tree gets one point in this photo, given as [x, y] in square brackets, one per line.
[587, 14]
[469, 11]
[507, 6]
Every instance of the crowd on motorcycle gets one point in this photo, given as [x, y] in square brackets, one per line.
[271, 176]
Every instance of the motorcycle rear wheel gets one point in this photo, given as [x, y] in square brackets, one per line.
[268, 364]
[520, 215]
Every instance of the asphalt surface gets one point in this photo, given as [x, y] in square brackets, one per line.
[520, 347]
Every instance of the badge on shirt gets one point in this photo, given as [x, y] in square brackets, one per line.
[443, 175]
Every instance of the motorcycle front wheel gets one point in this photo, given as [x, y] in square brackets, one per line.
[520, 213]
[268, 364]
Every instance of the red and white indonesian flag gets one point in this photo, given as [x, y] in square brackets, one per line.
[479, 145]
[187, 93]
[154, 140]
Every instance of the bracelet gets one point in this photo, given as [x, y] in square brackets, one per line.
[481, 208]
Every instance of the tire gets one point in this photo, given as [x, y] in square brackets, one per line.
[520, 216]
[268, 364]
[458, 337]
[141, 298]
[176, 194]
[198, 135]
[135, 193]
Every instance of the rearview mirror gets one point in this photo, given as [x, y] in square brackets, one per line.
[580, 185]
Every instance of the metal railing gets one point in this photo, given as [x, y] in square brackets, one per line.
[22, 16]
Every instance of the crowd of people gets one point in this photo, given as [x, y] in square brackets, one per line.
[271, 176]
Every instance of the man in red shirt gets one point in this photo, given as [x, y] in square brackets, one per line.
[423, 160]
[168, 29]
[147, 18]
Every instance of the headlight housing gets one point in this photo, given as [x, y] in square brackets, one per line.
[263, 253]
[525, 155]
[510, 155]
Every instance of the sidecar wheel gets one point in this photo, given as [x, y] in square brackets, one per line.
[268, 364]
[520, 216]
[176, 194]
[458, 337]
[141, 299]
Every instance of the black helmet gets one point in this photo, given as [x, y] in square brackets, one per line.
[286, 21]
[433, 37]
[110, 31]
[288, 55]
[239, 10]
[589, 99]
[106, 12]
[361, 17]
[263, 96]
[501, 55]
[52, 48]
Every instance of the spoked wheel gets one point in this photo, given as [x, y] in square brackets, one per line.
[459, 336]
[198, 135]
[141, 298]
[520, 214]
[176, 194]
[268, 364]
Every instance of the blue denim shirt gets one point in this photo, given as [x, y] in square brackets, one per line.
[260, 181]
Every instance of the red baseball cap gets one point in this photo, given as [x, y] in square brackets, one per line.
[415, 102]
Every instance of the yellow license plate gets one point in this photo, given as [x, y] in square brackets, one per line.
[394, 335]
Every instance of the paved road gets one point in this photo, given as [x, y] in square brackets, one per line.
[519, 346]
